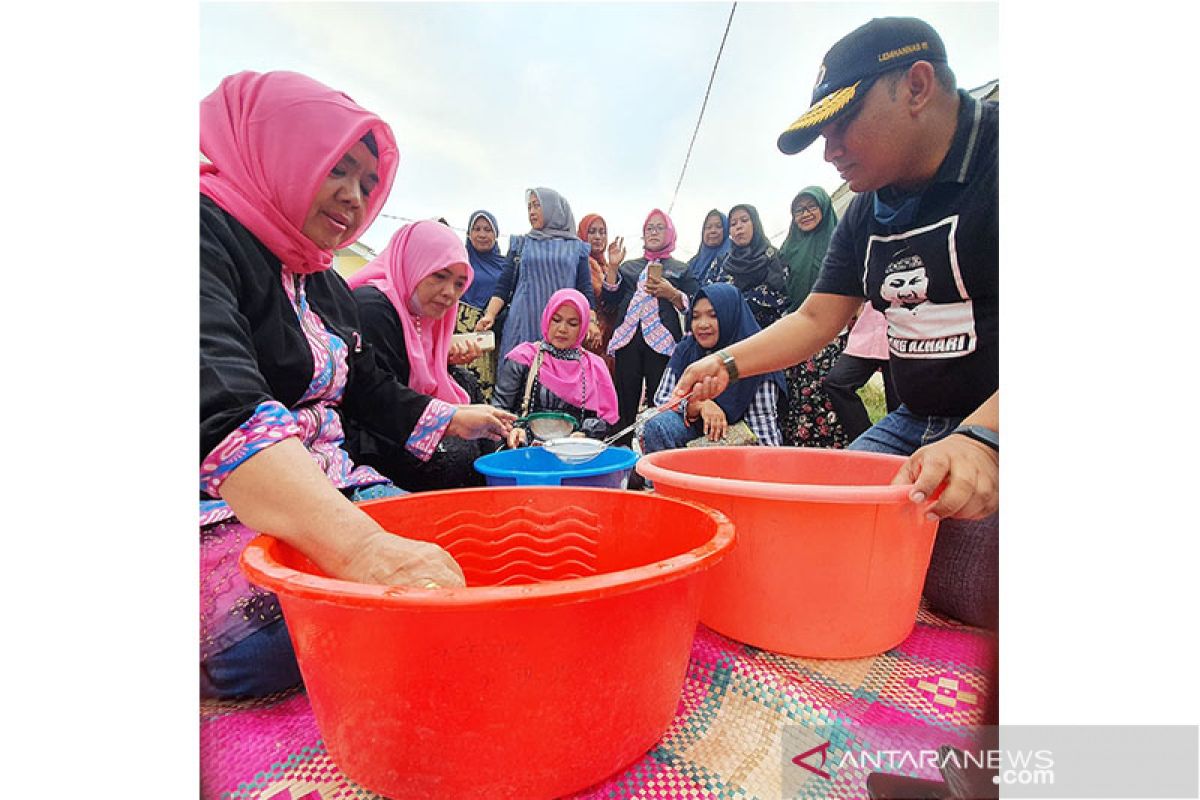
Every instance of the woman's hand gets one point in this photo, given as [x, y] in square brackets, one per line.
[480, 422]
[715, 423]
[970, 471]
[494, 306]
[662, 289]
[281, 490]
[388, 559]
[516, 438]
[706, 377]
[616, 253]
[464, 351]
[595, 337]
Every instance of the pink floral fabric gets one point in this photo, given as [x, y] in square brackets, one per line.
[230, 608]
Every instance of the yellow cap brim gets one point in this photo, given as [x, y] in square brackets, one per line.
[805, 130]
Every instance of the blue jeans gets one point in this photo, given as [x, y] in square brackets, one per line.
[667, 431]
[262, 663]
[963, 578]
[903, 432]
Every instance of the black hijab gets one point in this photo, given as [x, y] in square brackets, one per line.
[758, 262]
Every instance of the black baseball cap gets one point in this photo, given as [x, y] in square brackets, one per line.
[853, 64]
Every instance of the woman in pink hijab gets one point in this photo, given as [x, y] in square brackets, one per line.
[407, 301]
[648, 297]
[295, 169]
[555, 373]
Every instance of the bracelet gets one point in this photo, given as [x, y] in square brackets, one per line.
[729, 363]
[980, 434]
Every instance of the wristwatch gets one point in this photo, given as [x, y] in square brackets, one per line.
[729, 363]
[980, 434]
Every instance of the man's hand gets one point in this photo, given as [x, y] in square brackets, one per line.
[969, 470]
[707, 377]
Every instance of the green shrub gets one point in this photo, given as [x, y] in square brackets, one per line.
[872, 396]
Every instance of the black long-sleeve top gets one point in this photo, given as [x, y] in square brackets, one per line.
[253, 350]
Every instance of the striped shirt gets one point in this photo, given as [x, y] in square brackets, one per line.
[547, 265]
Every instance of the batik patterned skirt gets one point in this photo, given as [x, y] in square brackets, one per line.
[484, 367]
[232, 608]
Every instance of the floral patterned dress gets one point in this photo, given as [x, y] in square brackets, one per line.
[810, 420]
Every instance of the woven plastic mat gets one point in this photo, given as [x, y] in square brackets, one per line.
[750, 724]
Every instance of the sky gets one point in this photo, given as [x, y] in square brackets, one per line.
[595, 100]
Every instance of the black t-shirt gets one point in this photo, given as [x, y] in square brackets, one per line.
[936, 279]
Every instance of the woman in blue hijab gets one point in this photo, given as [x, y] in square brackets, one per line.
[714, 243]
[717, 317]
[483, 251]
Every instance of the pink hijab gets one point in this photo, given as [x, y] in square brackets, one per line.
[272, 138]
[415, 252]
[567, 378]
[668, 241]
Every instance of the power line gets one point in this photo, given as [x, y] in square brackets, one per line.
[687, 158]
[703, 105]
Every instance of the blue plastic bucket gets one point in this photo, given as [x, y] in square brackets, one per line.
[533, 466]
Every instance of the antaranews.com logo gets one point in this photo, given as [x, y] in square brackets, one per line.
[1012, 768]
[1028, 761]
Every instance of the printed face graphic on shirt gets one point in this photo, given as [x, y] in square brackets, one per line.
[905, 282]
[916, 274]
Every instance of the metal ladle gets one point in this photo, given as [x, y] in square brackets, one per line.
[645, 415]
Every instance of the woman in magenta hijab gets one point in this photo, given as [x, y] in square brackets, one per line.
[295, 170]
[408, 303]
[557, 374]
[647, 295]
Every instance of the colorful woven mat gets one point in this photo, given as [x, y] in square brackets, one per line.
[750, 724]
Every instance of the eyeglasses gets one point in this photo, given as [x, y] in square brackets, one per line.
[802, 209]
[655, 228]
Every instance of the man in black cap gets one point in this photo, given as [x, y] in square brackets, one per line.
[920, 242]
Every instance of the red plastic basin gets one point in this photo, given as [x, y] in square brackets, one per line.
[830, 560]
[559, 665]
